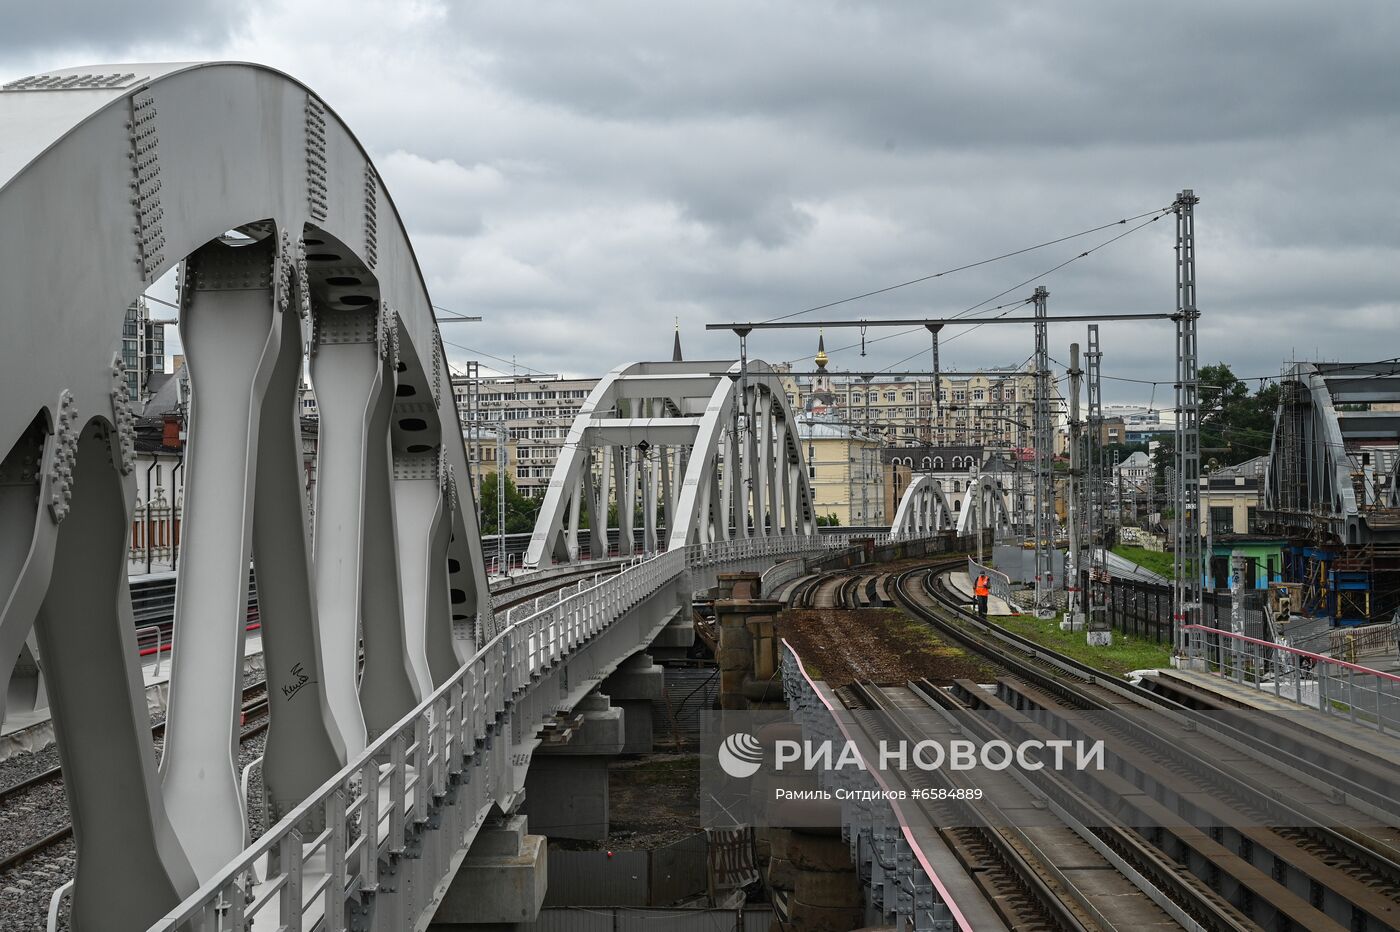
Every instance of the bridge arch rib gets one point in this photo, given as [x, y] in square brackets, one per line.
[709, 450]
[984, 505]
[111, 176]
[923, 507]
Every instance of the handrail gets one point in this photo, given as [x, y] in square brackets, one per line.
[1315, 658]
[1000, 582]
[160, 641]
[56, 904]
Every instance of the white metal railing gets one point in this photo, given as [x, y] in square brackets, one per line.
[144, 633]
[759, 547]
[1334, 687]
[1000, 583]
[327, 850]
[752, 548]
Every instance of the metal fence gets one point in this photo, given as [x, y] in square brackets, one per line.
[1333, 687]
[676, 716]
[1143, 609]
[655, 877]
[1139, 609]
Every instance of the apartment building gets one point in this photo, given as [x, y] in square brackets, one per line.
[992, 409]
[843, 467]
[535, 412]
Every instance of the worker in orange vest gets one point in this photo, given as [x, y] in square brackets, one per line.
[982, 589]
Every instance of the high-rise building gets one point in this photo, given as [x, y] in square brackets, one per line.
[143, 349]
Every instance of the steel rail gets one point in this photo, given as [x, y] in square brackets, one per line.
[1013, 848]
[255, 706]
[992, 640]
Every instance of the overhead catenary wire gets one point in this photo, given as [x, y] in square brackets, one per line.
[965, 267]
[1154, 216]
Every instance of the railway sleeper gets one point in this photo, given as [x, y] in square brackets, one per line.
[1191, 894]
[1362, 849]
[1154, 794]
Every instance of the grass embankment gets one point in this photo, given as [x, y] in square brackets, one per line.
[1123, 656]
[1159, 563]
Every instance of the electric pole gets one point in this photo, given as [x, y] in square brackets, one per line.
[1187, 568]
[501, 498]
[1044, 455]
[1074, 616]
[1097, 630]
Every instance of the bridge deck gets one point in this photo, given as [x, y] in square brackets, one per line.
[960, 888]
[1362, 739]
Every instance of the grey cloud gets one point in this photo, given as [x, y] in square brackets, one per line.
[1067, 75]
[582, 174]
[92, 24]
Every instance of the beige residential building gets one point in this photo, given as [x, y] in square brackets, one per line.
[990, 410]
[1230, 497]
[843, 466]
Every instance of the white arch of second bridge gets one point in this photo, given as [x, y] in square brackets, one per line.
[704, 448]
[925, 507]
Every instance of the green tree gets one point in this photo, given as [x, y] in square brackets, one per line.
[1124, 450]
[828, 520]
[521, 510]
[1236, 424]
[585, 516]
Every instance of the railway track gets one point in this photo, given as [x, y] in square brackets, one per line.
[1041, 865]
[37, 796]
[841, 591]
[1220, 819]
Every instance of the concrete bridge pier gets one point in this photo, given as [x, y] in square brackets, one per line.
[566, 790]
[637, 682]
[501, 884]
[748, 654]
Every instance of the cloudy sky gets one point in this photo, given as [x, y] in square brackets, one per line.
[583, 174]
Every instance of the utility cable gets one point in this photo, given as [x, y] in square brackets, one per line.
[962, 268]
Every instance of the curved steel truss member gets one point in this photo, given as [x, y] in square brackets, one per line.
[984, 505]
[925, 507]
[711, 457]
[1333, 468]
[290, 246]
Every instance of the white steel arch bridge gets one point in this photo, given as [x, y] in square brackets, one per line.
[403, 712]
[926, 508]
[110, 176]
[709, 448]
